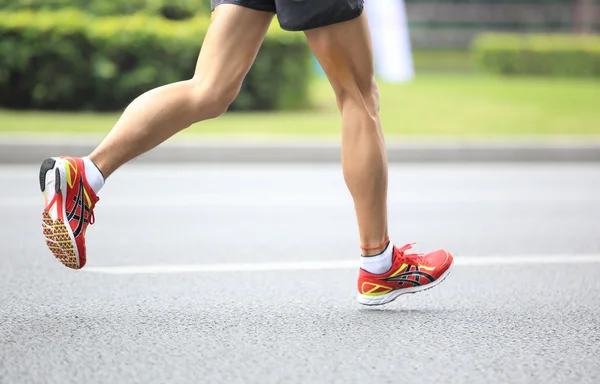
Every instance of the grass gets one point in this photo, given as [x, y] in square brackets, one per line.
[443, 106]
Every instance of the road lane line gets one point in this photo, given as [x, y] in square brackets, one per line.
[261, 200]
[334, 265]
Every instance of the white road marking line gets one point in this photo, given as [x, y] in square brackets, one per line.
[334, 265]
[202, 200]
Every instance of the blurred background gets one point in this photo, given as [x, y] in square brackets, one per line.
[487, 67]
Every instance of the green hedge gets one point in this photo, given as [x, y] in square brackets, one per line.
[69, 61]
[173, 9]
[538, 54]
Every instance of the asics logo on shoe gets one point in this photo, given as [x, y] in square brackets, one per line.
[81, 208]
[405, 277]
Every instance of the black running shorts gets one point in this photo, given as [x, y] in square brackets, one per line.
[301, 15]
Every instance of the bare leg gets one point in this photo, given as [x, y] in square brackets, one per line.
[345, 53]
[228, 51]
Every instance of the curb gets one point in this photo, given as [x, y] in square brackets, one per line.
[23, 151]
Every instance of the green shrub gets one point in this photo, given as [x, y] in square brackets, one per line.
[172, 9]
[71, 61]
[537, 54]
[442, 60]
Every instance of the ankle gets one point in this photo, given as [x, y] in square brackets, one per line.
[94, 176]
[103, 167]
[375, 250]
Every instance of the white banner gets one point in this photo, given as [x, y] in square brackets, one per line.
[391, 39]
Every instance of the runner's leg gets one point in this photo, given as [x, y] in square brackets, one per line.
[229, 49]
[345, 53]
[344, 50]
[70, 185]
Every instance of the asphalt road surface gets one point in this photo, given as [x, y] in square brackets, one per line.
[248, 273]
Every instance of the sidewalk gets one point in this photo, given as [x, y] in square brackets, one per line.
[29, 150]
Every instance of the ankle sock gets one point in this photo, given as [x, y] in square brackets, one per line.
[93, 175]
[378, 264]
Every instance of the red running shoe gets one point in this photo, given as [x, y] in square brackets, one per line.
[69, 208]
[409, 273]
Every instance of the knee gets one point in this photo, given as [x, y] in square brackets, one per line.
[363, 96]
[212, 98]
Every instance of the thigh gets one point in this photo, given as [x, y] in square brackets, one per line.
[345, 52]
[231, 43]
[302, 15]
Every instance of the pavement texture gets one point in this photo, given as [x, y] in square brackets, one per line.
[529, 323]
[33, 150]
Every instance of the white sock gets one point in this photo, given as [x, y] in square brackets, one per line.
[94, 177]
[378, 264]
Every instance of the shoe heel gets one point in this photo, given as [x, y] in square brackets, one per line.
[47, 165]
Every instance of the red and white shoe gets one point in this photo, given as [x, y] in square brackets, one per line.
[410, 273]
[69, 208]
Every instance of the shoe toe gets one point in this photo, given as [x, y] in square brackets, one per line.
[441, 260]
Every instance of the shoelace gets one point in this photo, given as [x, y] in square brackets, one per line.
[409, 258]
[91, 212]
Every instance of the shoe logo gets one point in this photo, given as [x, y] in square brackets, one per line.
[405, 277]
[81, 208]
